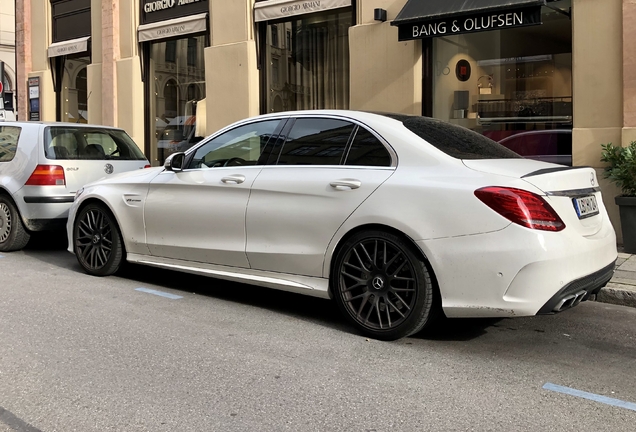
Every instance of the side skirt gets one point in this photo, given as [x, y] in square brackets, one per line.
[316, 287]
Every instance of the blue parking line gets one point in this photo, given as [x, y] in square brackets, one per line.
[159, 293]
[1, 256]
[591, 396]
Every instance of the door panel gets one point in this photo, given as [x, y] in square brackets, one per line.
[294, 212]
[199, 214]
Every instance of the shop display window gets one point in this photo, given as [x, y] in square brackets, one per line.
[514, 86]
[177, 96]
[73, 98]
[306, 62]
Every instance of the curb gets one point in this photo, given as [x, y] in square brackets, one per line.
[618, 294]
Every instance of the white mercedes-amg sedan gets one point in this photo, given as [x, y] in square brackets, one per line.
[400, 219]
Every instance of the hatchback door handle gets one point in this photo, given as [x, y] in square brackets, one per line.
[346, 184]
[233, 179]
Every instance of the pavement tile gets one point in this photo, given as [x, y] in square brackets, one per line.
[629, 265]
[621, 274]
[624, 256]
[620, 261]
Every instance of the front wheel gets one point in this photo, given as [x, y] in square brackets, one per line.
[382, 286]
[13, 235]
[97, 241]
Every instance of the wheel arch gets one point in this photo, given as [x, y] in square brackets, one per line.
[386, 228]
[95, 200]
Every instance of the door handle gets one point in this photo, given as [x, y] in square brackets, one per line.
[233, 179]
[346, 184]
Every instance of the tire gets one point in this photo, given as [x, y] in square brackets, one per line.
[97, 241]
[381, 285]
[13, 234]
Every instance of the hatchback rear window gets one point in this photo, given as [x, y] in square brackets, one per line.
[455, 141]
[68, 143]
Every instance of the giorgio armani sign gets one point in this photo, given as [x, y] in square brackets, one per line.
[162, 10]
[470, 23]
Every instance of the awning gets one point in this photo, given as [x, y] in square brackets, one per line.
[174, 27]
[277, 9]
[420, 19]
[72, 46]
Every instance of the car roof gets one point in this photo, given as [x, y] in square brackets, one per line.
[58, 124]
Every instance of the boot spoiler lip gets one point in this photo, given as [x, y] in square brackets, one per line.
[553, 170]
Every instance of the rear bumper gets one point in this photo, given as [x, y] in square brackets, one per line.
[37, 207]
[577, 291]
[517, 271]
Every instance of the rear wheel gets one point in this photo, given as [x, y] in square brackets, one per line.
[13, 235]
[97, 241]
[382, 286]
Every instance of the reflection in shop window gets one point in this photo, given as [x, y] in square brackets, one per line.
[519, 90]
[74, 96]
[312, 70]
[192, 52]
[178, 105]
[171, 51]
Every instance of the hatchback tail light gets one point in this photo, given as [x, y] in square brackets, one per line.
[47, 175]
[146, 166]
[521, 207]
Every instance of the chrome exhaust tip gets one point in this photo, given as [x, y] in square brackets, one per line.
[570, 301]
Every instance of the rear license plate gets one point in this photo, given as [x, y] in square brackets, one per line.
[586, 206]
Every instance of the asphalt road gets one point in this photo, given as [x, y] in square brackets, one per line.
[79, 353]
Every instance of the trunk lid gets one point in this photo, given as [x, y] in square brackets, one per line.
[573, 192]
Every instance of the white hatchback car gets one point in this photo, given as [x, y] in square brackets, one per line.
[398, 218]
[42, 165]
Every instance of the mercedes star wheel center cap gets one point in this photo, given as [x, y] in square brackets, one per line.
[378, 283]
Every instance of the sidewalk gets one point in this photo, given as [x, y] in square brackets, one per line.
[621, 290]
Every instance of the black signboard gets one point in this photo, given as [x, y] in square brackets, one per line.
[479, 22]
[162, 10]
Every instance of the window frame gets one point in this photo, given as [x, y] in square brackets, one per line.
[357, 125]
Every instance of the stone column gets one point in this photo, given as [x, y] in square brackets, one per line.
[110, 56]
[629, 72]
[23, 54]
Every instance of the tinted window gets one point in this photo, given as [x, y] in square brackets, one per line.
[8, 142]
[64, 143]
[316, 142]
[455, 141]
[367, 150]
[240, 146]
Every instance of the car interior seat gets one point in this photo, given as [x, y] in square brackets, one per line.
[94, 151]
[60, 152]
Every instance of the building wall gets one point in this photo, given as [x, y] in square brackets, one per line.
[385, 74]
[7, 43]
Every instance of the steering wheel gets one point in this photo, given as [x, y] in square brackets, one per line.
[234, 161]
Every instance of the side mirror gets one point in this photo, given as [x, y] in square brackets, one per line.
[175, 162]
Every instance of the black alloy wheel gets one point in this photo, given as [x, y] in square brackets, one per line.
[13, 235]
[97, 241]
[382, 286]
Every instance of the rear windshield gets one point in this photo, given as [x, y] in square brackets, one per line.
[82, 143]
[455, 141]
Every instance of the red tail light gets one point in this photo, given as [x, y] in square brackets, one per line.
[521, 207]
[146, 166]
[47, 175]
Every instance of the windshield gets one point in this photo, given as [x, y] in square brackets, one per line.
[63, 143]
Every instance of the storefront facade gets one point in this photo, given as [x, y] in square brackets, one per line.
[527, 72]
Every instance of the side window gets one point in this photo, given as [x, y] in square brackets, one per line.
[367, 150]
[9, 136]
[316, 142]
[240, 146]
